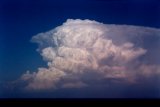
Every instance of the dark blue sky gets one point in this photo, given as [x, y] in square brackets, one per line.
[22, 19]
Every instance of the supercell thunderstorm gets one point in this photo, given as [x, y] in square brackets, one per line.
[81, 51]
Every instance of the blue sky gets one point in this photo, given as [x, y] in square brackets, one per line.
[20, 20]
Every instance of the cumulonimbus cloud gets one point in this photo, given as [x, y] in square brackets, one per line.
[81, 47]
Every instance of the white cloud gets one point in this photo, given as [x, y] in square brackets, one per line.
[44, 78]
[80, 46]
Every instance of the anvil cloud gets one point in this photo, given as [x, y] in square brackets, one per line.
[81, 51]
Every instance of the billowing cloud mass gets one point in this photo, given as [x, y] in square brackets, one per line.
[80, 53]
